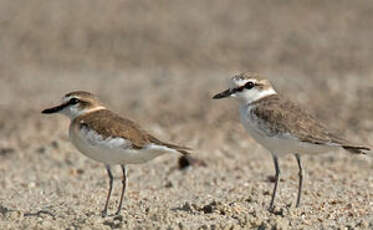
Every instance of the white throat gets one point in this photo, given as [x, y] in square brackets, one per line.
[72, 111]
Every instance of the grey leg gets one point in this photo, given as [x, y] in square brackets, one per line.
[104, 212]
[124, 186]
[300, 179]
[277, 177]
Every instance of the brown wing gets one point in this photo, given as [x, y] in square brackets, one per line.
[108, 123]
[280, 115]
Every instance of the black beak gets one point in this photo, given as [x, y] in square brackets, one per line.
[223, 94]
[55, 109]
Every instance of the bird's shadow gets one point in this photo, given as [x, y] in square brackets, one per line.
[4, 210]
[39, 213]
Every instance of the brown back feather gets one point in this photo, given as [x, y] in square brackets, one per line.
[280, 115]
[108, 124]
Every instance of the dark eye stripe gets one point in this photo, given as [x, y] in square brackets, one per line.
[248, 85]
[239, 89]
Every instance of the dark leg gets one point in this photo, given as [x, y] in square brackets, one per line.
[124, 186]
[277, 177]
[104, 212]
[300, 179]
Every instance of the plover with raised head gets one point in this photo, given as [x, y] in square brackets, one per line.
[109, 138]
[281, 126]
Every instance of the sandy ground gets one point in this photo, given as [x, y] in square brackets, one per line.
[159, 63]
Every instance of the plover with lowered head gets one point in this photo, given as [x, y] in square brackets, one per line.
[109, 138]
[281, 126]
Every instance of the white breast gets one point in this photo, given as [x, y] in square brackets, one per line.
[280, 144]
[112, 150]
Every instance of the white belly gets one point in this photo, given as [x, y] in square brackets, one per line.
[113, 150]
[281, 144]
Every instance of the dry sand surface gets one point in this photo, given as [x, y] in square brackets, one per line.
[159, 63]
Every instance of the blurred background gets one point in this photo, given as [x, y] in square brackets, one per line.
[160, 62]
[150, 59]
[168, 57]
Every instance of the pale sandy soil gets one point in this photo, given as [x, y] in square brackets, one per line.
[160, 63]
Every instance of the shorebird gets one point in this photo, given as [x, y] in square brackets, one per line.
[106, 137]
[281, 126]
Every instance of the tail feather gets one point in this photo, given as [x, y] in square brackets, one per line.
[181, 149]
[356, 149]
[183, 152]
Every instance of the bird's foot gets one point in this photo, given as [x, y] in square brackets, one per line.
[274, 211]
[104, 213]
[117, 212]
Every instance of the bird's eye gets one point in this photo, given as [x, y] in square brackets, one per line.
[249, 85]
[74, 101]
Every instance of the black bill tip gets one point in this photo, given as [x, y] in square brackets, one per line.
[223, 94]
[54, 109]
[49, 110]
